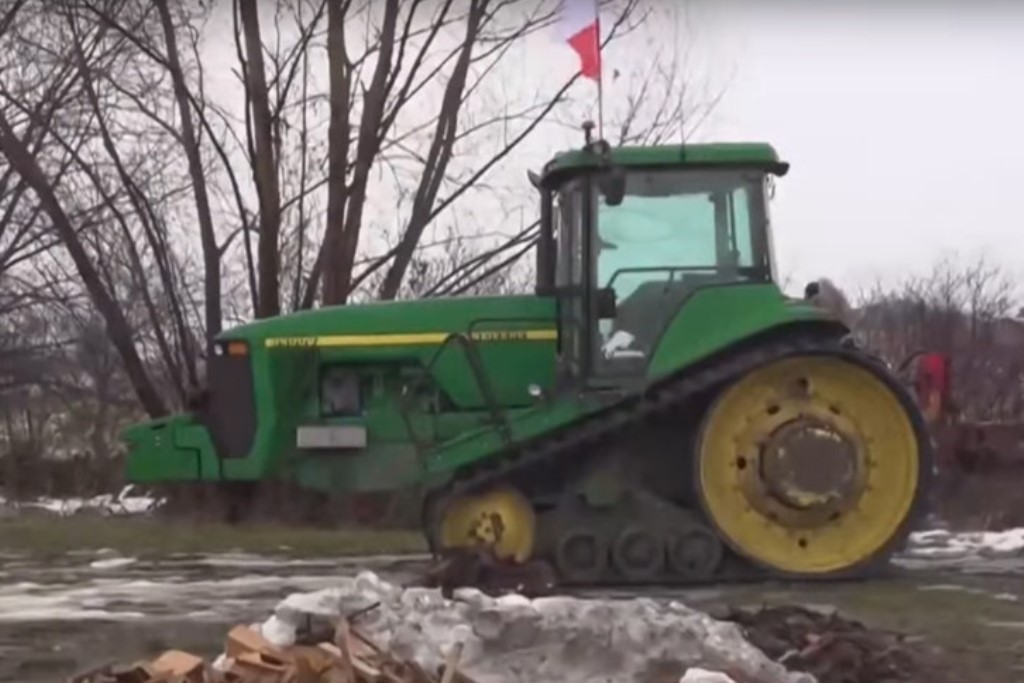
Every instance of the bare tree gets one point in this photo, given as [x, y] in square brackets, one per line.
[193, 153]
[410, 55]
[966, 310]
[17, 115]
[265, 167]
[135, 176]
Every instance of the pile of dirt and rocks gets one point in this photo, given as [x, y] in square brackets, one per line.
[832, 648]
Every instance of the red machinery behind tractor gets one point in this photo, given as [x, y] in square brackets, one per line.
[976, 461]
[961, 446]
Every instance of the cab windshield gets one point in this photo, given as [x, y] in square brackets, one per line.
[675, 231]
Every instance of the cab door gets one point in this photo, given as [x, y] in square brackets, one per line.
[571, 276]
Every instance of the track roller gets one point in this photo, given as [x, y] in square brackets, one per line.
[694, 553]
[581, 555]
[638, 554]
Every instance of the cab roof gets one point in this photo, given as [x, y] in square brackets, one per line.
[699, 155]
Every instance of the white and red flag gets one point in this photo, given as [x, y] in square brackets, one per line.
[581, 28]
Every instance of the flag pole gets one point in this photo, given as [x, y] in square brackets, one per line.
[581, 27]
[600, 71]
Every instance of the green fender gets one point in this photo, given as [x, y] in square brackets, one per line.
[714, 318]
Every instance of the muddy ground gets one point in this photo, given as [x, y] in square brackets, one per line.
[959, 620]
[899, 630]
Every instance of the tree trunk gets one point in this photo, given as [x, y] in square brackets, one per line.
[264, 166]
[341, 260]
[336, 279]
[211, 252]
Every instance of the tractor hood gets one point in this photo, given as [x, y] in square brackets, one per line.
[420, 317]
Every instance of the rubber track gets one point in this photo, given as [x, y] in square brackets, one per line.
[657, 399]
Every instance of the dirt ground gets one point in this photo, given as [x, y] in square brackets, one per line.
[941, 627]
[913, 628]
[934, 627]
[989, 501]
[836, 649]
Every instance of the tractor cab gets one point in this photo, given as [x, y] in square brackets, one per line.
[629, 234]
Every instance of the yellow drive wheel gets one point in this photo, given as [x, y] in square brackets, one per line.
[502, 518]
[810, 465]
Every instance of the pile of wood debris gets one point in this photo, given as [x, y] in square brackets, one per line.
[344, 656]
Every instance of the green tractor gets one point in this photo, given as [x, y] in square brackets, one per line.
[657, 411]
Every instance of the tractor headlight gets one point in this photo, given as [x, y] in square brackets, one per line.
[235, 348]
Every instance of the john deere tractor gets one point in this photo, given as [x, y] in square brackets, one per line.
[655, 411]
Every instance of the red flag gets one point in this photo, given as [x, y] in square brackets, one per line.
[581, 28]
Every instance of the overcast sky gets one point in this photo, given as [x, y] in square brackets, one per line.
[904, 122]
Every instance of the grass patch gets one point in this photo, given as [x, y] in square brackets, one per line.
[54, 535]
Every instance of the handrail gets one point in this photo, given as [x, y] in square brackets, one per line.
[479, 374]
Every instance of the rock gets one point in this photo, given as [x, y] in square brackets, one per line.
[278, 631]
[474, 597]
[488, 624]
[422, 599]
[513, 600]
[698, 675]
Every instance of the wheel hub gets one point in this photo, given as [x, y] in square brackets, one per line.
[808, 463]
[487, 528]
[801, 465]
[502, 520]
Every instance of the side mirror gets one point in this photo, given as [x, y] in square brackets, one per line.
[612, 185]
[606, 308]
[534, 179]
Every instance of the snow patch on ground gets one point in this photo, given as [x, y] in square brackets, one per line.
[123, 502]
[113, 563]
[942, 544]
[513, 638]
[126, 598]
